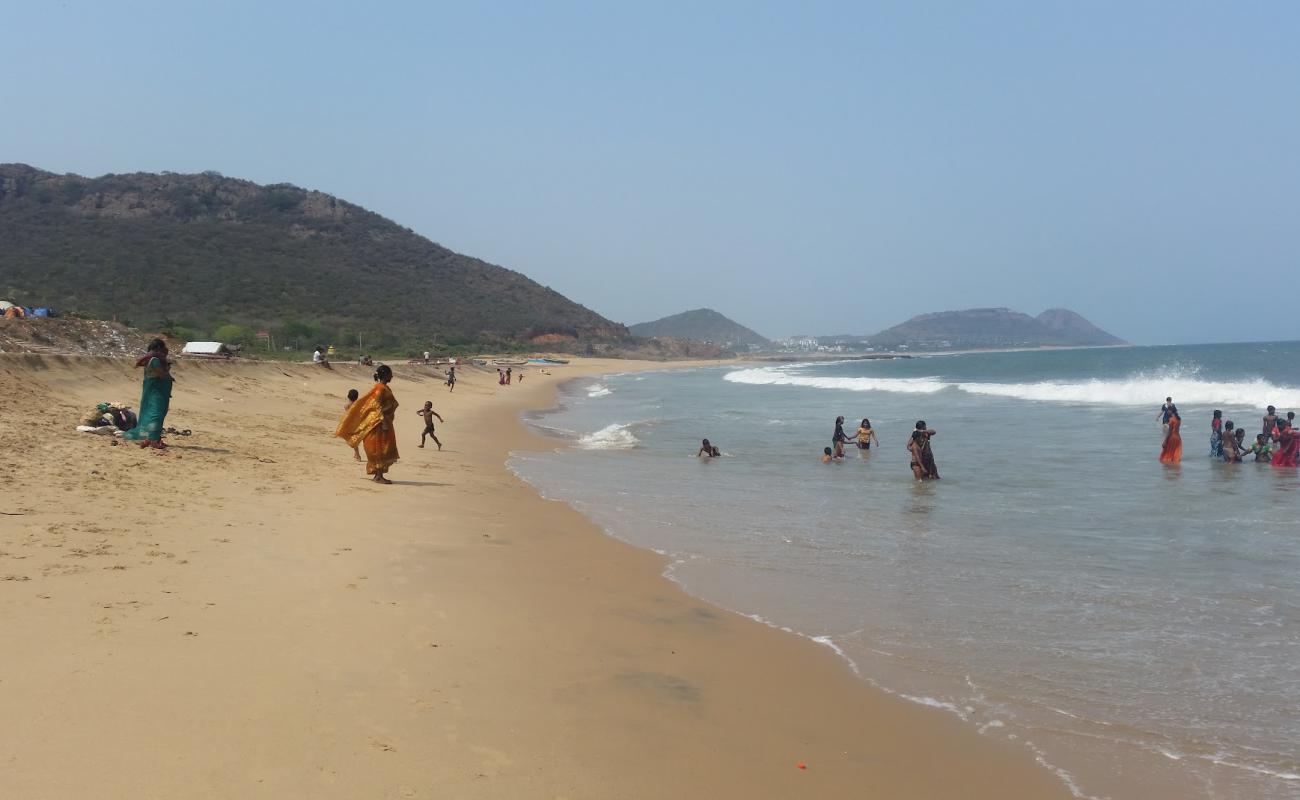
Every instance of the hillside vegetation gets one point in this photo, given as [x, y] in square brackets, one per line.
[702, 325]
[985, 327]
[199, 254]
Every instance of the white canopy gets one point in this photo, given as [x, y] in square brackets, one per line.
[204, 349]
[5, 305]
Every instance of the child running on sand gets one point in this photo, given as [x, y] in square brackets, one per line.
[451, 378]
[428, 414]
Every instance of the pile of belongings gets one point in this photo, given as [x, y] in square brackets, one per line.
[108, 419]
[10, 311]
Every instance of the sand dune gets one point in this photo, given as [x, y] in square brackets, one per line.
[246, 616]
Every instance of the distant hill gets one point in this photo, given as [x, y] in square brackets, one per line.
[701, 325]
[991, 327]
[200, 251]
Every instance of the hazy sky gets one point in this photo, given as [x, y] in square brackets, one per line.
[802, 167]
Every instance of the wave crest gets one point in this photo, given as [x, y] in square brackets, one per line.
[611, 437]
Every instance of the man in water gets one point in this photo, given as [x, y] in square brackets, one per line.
[428, 414]
[922, 452]
[1270, 422]
[1166, 411]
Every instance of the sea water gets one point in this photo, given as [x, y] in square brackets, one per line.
[1135, 627]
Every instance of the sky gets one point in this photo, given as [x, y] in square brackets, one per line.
[815, 168]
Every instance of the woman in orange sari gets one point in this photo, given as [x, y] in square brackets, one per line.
[1172, 452]
[1287, 452]
[369, 421]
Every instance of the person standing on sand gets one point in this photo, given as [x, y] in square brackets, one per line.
[353, 394]
[428, 414]
[155, 397]
[501, 377]
[370, 422]
[451, 378]
[1172, 450]
[509, 375]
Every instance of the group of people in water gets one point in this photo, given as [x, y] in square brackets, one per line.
[1277, 443]
[918, 447]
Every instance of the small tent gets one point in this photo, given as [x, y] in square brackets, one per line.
[5, 305]
[206, 350]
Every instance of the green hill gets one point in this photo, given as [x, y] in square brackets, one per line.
[702, 325]
[197, 252]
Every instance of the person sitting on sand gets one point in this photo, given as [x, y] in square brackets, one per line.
[428, 414]
[369, 421]
[866, 436]
[318, 357]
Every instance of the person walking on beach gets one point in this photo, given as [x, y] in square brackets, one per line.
[353, 394]
[451, 378]
[866, 436]
[509, 375]
[1172, 450]
[370, 422]
[428, 413]
[155, 397]
[1216, 434]
[839, 438]
[501, 377]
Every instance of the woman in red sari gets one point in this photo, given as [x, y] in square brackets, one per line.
[369, 422]
[1172, 452]
[1288, 446]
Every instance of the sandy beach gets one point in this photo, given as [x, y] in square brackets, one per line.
[247, 616]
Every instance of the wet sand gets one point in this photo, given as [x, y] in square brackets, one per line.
[247, 616]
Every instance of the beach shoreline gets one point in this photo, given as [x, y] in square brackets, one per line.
[248, 616]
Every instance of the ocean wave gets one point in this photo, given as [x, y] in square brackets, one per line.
[1141, 389]
[611, 437]
[598, 390]
[765, 376]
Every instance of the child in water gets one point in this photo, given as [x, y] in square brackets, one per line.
[707, 450]
[428, 414]
[827, 455]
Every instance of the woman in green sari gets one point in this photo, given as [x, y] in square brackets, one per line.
[155, 398]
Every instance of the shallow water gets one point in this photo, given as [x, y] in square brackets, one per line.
[1137, 627]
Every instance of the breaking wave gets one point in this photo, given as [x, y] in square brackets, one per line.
[611, 437]
[1136, 390]
[598, 390]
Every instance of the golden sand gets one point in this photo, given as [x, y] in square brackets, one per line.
[246, 616]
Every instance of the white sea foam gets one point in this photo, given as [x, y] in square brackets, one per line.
[1136, 390]
[598, 390]
[611, 437]
[767, 376]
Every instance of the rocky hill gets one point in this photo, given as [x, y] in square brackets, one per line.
[198, 252]
[991, 327]
[702, 325]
